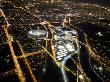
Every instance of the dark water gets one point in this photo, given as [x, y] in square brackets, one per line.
[53, 73]
[84, 58]
[90, 30]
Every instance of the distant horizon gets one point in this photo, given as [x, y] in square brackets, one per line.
[99, 2]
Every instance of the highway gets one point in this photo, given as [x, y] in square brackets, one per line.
[18, 69]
